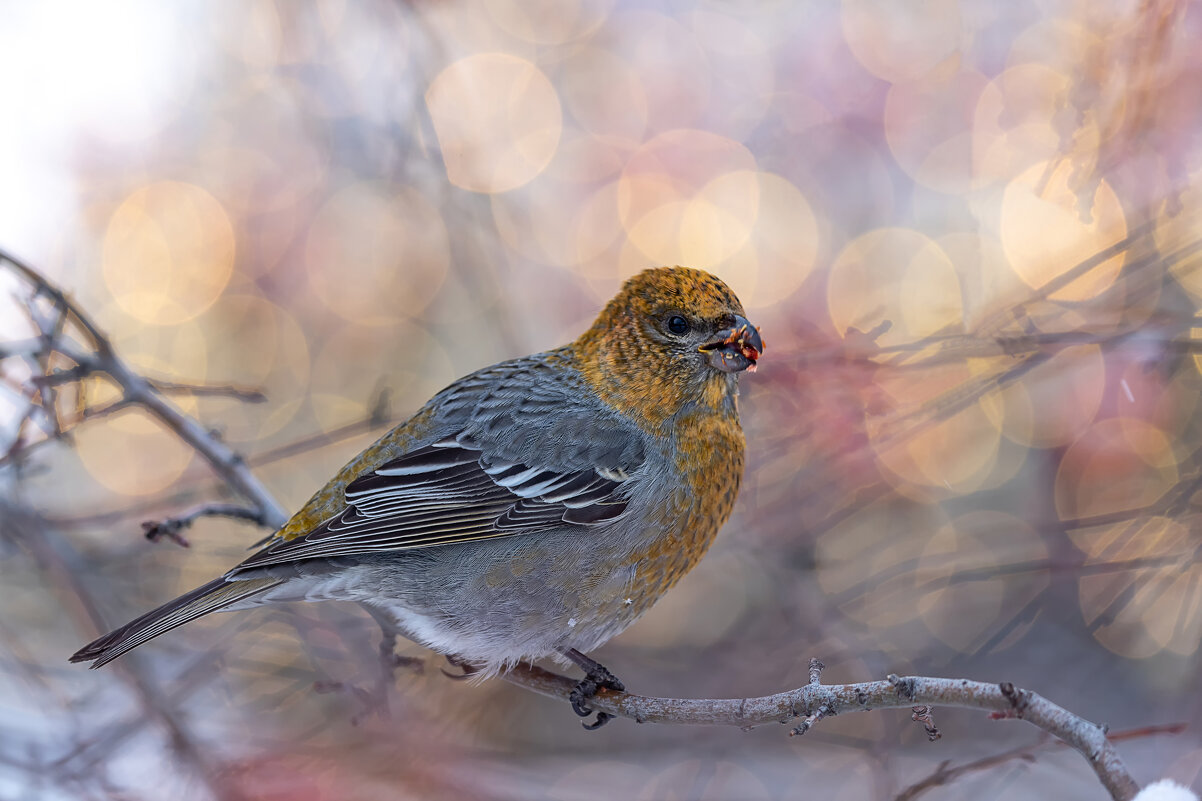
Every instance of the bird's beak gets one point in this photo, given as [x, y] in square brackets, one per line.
[735, 348]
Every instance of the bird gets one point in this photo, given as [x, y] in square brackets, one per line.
[532, 509]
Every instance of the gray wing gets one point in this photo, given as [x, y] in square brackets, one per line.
[527, 456]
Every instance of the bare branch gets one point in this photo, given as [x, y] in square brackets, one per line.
[944, 775]
[136, 389]
[58, 558]
[211, 390]
[1003, 700]
[377, 417]
[172, 526]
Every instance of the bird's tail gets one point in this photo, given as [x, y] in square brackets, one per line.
[217, 594]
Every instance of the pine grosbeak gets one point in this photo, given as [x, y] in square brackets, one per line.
[533, 508]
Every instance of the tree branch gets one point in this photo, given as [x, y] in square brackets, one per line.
[945, 773]
[172, 526]
[137, 389]
[209, 390]
[1003, 700]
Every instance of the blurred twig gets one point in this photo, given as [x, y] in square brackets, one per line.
[375, 419]
[944, 774]
[172, 526]
[56, 556]
[99, 358]
[1013, 340]
[227, 391]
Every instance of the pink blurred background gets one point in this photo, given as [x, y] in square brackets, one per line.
[968, 455]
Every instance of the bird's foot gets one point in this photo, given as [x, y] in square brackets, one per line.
[390, 660]
[413, 663]
[596, 677]
[373, 699]
[371, 702]
[467, 669]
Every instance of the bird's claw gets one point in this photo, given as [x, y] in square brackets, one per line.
[468, 669]
[602, 719]
[597, 677]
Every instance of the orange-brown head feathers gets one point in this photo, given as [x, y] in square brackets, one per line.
[672, 337]
[681, 289]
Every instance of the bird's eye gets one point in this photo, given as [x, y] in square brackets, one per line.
[678, 324]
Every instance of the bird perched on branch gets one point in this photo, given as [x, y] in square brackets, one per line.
[535, 508]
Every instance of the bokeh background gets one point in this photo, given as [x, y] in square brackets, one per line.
[968, 230]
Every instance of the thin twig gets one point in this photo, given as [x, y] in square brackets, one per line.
[171, 527]
[208, 390]
[56, 556]
[944, 775]
[137, 389]
[376, 417]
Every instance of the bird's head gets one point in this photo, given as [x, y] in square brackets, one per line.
[672, 336]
